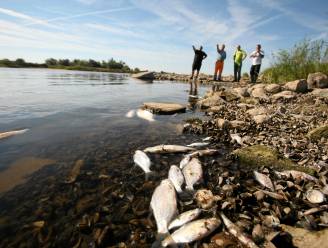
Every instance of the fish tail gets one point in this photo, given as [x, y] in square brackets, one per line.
[190, 188]
[163, 240]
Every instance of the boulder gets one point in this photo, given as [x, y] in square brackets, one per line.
[164, 108]
[284, 95]
[216, 109]
[273, 88]
[241, 91]
[222, 123]
[258, 111]
[228, 95]
[259, 119]
[299, 86]
[259, 93]
[320, 93]
[237, 124]
[146, 75]
[317, 80]
[318, 133]
[213, 100]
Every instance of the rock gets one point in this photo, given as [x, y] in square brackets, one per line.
[273, 88]
[305, 238]
[228, 95]
[317, 80]
[222, 123]
[285, 95]
[318, 133]
[320, 93]
[144, 75]
[258, 111]
[299, 86]
[259, 93]
[241, 91]
[237, 124]
[257, 156]
[259, 119]
[164, 108]
[211, 101]
[216, 109]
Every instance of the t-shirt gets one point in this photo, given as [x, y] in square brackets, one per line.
[257, 60]
[199, 55]
[221, 55]
[239, 56]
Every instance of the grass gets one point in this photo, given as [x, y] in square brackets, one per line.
[304, 58]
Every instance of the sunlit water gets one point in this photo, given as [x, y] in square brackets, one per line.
[70, 113]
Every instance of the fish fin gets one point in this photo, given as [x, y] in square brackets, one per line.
[168, 241]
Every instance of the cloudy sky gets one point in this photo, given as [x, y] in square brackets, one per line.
[155, 34]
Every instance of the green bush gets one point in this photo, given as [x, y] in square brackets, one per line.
[304, 58]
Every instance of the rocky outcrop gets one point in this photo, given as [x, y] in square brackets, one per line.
[164, 108]
[144, 75]
[273, 88]
[299, 86]
[284, 95]
[317, 80]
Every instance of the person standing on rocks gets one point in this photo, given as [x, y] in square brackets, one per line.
[197, 64]
[256, 57]
[219, 62]
[238, 59]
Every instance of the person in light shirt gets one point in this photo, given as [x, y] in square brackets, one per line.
[256, 57]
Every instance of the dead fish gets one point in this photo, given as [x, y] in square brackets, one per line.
[12, 133]
[207, 138]
[237, 138]
[185, 161]
[142, 160]
[206, 152]
[169, 149]
[145, 114]
[235, 231]
[193, 173]
[176, 177]
[296, 174]
[198, 144]
[130, 114]
[264, 180]
[315, 210]
[274, 195]
[185, 218]
[164, 206]
[315, 196]
[192, 231]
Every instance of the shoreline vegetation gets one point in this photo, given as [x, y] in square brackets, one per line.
[76, 64]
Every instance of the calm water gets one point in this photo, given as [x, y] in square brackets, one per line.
[70, 113]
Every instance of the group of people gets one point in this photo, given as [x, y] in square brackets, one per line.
[238, 58]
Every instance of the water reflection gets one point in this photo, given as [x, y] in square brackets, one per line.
[193, 95]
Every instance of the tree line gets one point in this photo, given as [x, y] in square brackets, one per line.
[110, 65]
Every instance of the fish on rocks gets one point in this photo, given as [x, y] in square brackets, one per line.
[237, 138]
[145, 114]
[169, 149]
[193, 173]
[235, 231]
[176, 177]
[185, 161]
[198, 144]
[185, 218]
[192, 231]
[164, 206]
[297, 174]
[202, 153]
[8, 134]
[130, 114]
[264, 180]
[142, 160]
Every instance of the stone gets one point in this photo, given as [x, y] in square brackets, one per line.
[317, 80]
[320, 93]
[273, 88]
[259, 119]
[260, 93]
[284, 95]
[144, 75]
[241, 91]
[216, 109]
[213, 100]
[318, 133]
[237, 124]
[164, 108]
[222, 123]
[299, 86]
[258, 111]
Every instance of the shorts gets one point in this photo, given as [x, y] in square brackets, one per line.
[196, 66]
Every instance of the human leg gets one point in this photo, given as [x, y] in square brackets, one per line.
[257, 72]
[252, 74]
[220, 69]
[239, 72]
[235, 69]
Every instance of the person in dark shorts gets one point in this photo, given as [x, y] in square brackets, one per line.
[197, 64]
[257, 57]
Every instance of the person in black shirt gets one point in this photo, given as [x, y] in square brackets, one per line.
[197, 64]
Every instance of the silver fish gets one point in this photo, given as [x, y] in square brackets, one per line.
[192, 231]
[264, 180]
[169, 149]
[185, 161]
[145, 114]
[297, 174]
[198, 144]
[176, 177]
[235, 231]
[206, 152]
[207, 138]
[193, 173]
[130, 114]
[185, 218]
[237, 138]
[12, 133]
[142, 160]
[164, 206]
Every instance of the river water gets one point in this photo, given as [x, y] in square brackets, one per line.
[70, 114]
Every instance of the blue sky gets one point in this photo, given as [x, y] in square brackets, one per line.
[153, 34]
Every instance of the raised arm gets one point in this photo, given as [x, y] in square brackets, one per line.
[193, 47]
[204, 55]
[244, 55]
[217, 48]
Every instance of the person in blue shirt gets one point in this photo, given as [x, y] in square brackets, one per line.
[219, 62]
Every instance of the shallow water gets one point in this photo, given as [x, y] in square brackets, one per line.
[71, 113]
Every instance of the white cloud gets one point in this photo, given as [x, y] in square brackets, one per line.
[87, 2]
[114, 30]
